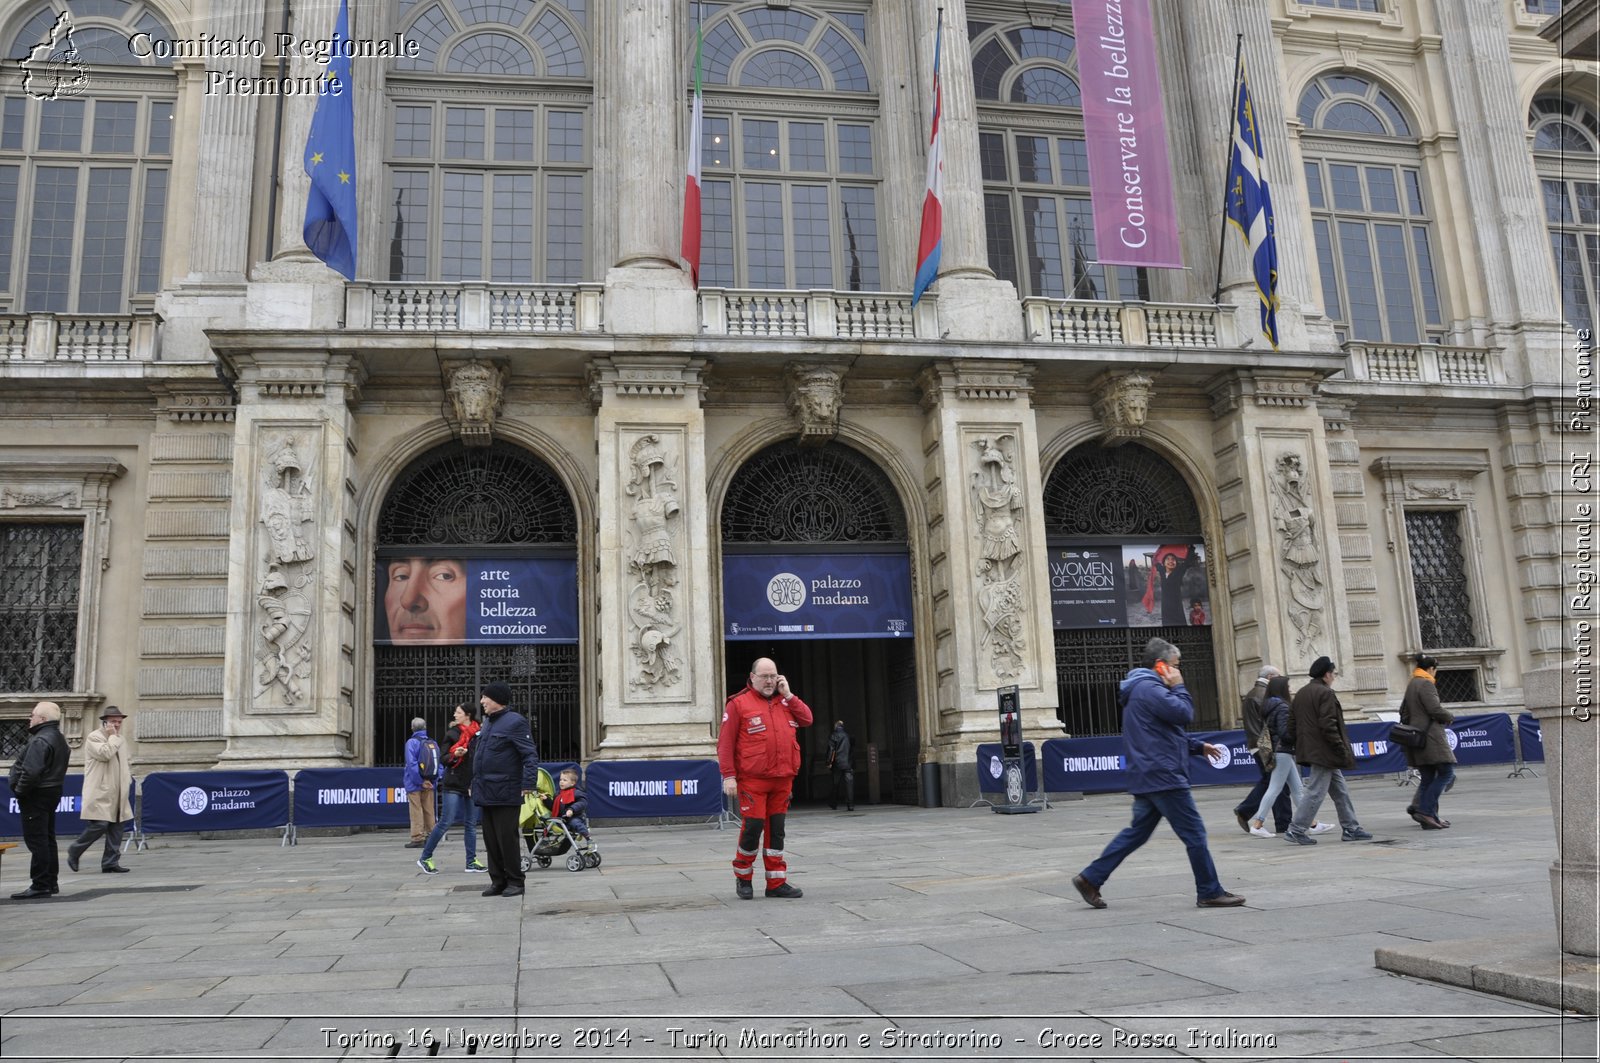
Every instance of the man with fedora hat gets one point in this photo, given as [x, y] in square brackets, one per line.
[505, 768]
[107, 777]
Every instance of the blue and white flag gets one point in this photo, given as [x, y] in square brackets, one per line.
[1249, 207]
[330, 228]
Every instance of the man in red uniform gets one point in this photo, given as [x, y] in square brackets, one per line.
[760, 755]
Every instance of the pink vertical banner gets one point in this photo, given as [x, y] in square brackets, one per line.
[1125, 132]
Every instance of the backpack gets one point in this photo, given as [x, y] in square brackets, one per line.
[428, 759]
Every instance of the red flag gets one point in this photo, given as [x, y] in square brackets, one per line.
[691, 187]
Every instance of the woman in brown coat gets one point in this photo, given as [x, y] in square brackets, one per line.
[1435, 761]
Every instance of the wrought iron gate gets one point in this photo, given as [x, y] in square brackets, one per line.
[1092, 662]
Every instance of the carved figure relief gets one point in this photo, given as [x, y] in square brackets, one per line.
[653, 610]
[997, 505]
[815, 395]
[476, 390]
[1122, 403]
[283, 655]
[1299, 554]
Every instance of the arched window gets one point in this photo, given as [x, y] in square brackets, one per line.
[85, 157]
[1566, 136]
[789, 160]
[1040, 227]
[1370, 213]
[490, 143]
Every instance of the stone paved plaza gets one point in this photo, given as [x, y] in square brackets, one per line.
[931, 933]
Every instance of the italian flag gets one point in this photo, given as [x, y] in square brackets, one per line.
[691, 186]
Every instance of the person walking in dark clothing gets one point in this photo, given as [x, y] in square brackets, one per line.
[1420, 708]
[1156, 710]
[1251, 715]
[36, 780]
[505, 769]
[1317, 732]
[844, 775]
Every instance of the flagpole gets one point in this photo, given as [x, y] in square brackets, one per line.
[1227, 155]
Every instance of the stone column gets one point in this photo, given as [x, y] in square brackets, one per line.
[1492, 123]
[641, 140]
[986, 541]
[291, 589]
[659, 680]
[1208, 36]
[973, 304]
[1569, 725]
[224, 173]
[1288, 602]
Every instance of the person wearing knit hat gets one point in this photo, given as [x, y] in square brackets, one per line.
[1316, 731]
[505, 769]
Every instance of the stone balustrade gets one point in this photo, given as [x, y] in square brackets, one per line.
[472, 307]
[817, 314]
[1424, 363]
[1095, 322]
[80, 337]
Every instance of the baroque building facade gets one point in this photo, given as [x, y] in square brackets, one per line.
[222, 464]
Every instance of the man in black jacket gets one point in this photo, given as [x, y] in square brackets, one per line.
[36, 779]
[505, 769]
[1316, 730]
[843, 774]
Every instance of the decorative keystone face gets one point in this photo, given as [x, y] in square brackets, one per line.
[476, 391]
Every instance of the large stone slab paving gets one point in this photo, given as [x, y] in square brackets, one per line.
[845, 967]
[1524, 968]
[1084, 987]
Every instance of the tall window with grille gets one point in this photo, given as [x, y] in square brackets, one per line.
[1439, 577]
[39, 606]
[1371, 216]
[1566, 153]
[84, 177]
[790, 162]
[1037, 217]
[490, 144]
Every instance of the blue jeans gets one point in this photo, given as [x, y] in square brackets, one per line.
[1435, 777]
[456, 806]
[1177, 807]
[1284, 773]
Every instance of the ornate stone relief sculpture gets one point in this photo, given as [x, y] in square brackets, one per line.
[997, 505]
[653, 608]
[1299, 553]
[1121, 403]
[285, 567]
[815, 394]
[476, 390]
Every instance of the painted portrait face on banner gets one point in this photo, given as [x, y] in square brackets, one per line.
[425, 601]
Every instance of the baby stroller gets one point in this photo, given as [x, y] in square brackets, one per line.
[547, 837]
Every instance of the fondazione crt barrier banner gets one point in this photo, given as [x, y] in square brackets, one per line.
[1125, 135]
[456, 601]
[350, 797]
[632, 788]
[179, 801]
[811, 596]
[69, 810]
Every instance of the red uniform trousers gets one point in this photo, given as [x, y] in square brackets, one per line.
[763, 804]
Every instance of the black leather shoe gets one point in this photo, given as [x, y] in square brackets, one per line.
[494, 891]
[512, 891]
[116, 870]
[1221, 900]
[72, 862]
[742, 887]
[1244, 822]
[787, 892]
[415, 845]
[31, 894]
[1088, 891]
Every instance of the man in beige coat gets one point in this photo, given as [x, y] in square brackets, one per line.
[107, 777]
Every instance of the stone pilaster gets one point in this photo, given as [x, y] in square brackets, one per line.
[1285, 573]
[659, 685]
[973, 304]
[641, 134]
[986, 543]
[219, 243]
[1365, 674]
[1533, 468]
[1570, 729]
[287, 690]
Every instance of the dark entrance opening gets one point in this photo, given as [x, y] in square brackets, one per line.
[483, 502]
[1106, 495]
[825, 499]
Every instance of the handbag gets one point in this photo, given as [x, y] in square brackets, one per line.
[1409, 737]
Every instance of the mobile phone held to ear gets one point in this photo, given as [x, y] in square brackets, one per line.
[1163, 669]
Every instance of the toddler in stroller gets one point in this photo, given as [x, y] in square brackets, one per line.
[553, 824]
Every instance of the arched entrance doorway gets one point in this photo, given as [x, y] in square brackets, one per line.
[1127, 564]
[476, 561]
[816, 574]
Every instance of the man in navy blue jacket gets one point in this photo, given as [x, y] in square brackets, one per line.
[505, 768]
[1156, 709]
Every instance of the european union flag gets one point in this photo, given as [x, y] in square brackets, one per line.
[1250, 207]
[330, 229]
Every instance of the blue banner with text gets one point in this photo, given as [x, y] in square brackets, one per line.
[632, 788]
[176, 801]
[1530, 736]
[350, 797]
[816, 596]
[454, 601]
[992, 768]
